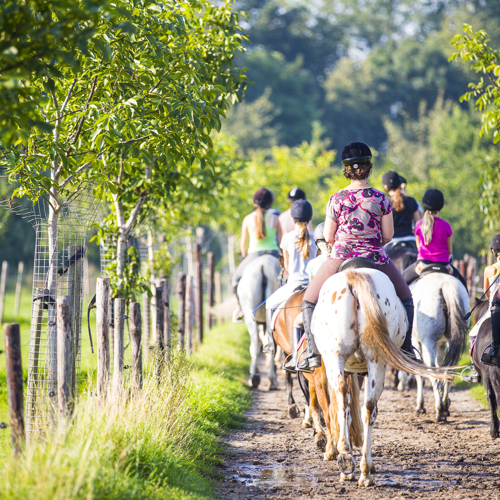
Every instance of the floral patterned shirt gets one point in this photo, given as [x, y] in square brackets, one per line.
[358, 213]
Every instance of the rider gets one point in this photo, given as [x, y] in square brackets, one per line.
[490, 273]
[286, 219]
[324, 250]
[405, 209]
[433, 239]
[260, 235]
[358, 222]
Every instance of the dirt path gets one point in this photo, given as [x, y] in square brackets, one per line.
[274, 457]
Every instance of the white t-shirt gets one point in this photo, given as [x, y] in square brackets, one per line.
[296, 263]
[315, 264]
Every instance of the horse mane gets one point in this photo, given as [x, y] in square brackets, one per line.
[482, 305]
[375, 335]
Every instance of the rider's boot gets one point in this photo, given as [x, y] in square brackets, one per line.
[312, 357]
[473, 377]
[291, 364]
[407, 346]
[491, 357]
[238, 312]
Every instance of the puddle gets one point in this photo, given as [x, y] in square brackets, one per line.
[274, 476]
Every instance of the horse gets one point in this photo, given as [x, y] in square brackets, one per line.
[490, 375]
[403, 254]
[441, 303]
[359, 317]
[258, 282]
[312, 385]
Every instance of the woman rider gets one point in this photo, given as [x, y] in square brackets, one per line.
[260, 235]
[358, 222]
[404, 209]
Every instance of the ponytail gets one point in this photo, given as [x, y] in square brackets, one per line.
[398, 199]
[428, 225]
[303, 242]
[260, 223]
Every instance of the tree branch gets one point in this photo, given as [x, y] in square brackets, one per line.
[72, 176]
[68, 95]
[135, 140]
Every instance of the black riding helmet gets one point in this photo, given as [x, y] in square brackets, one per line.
[302, 211]
[392, 180]
[263, 198]
[318, 233]
[356, 152]
[495, 242]
[296, 194]
[433, 200]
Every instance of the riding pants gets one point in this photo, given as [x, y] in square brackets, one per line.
[331, 267]
[251, 256]
[410, 275]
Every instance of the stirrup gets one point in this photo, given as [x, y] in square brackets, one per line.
[238, 316]
[487, 359]
[473, 377]
[289, 365]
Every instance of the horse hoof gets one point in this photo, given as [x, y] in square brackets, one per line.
[447, 413]
[365, 481]
[328, 456]
[273, 386]
[346, 463]
[307, 424]
[254, 381]
[441, 417]
[494, 433]
[347, 477]
[321, 442]
[293, 411]
[420, 411]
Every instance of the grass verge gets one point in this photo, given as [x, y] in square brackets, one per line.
[163, 443]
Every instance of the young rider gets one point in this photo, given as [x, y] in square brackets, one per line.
[324, 250]
[490, 274]
[434, 237]
[404, 209]
[358, 222]
[260, 235]
[286, 219]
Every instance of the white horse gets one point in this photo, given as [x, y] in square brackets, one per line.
[359, 316]
[259, 281]
[441, 302]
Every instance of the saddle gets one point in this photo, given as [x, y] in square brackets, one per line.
[405, 244]
[356, 263]
[434, 268]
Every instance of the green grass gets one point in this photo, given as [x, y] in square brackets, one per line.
[161, 444]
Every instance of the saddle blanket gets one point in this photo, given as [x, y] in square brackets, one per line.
[275, 315]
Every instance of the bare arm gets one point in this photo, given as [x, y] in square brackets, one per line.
[489, 272]
[285, 258]
[417, 241]
[279, 229]
[387, 228]
[450, 245]
[330, 230]
[244, 238]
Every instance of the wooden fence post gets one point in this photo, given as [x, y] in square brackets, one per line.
[199, 292]
[160, 307]
[19, 285]
[119, 331]
[189, 316]
[3, 281]
[136, 334]
[146, 324]
[102, 325]
[181, 320]
[14, 367]
[210, 289]
[65, 353]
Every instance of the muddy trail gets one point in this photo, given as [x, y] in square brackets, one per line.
[274, 457]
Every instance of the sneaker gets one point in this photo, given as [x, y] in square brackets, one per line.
[473, 377]
[491, 357]
[238, 315]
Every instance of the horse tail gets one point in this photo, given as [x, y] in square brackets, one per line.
[356, 427]
[375, 335]
[457, 326]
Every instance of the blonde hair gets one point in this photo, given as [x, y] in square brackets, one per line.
[428, 225]
[260, 223]
[303, 242]
[398, 199]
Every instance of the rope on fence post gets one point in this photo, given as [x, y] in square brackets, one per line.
[14, 367]
[119, 331]
[136, 334]
[102, 325]
[181, 320]
[65, 353]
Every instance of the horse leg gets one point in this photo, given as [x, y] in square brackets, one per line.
[373, 390]
[429, 355]
[403, 381]
[491, 395]
[314, 408]
[293, 409]
[325, 401]
[420, 409]
[254, 379]
[273, 378]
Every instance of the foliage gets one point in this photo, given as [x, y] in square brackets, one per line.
[161, 444]
[38, 38]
